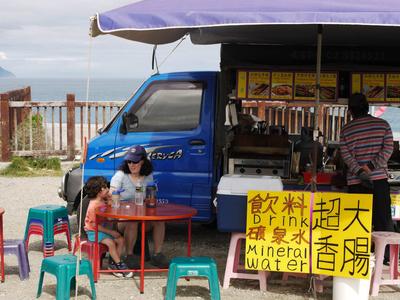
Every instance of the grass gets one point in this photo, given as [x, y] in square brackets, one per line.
[22, 167]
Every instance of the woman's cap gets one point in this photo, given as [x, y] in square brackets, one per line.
[135, 154]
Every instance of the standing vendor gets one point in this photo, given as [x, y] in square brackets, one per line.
[366, 144]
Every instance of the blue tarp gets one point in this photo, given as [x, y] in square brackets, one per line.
[258, 21]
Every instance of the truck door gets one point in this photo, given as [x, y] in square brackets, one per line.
[173, 119]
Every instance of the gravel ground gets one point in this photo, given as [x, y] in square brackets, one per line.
[19, 194]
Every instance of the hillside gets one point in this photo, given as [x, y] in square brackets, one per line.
[6, 74]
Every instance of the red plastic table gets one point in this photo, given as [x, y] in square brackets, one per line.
[2, 244]
[140, 213]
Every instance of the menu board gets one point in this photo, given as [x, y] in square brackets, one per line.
[304, 86]
[393, 87]
[328, 89]
[374, 86]
[282, 85]
[272, 85]
[377, 87]
[258, 85]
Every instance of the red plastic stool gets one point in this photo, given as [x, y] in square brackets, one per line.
[88, 248]
[233, 266]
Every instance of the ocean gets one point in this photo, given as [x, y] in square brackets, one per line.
[102, 89]
[56, 89]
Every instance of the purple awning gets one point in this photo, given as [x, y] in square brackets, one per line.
[254, 21]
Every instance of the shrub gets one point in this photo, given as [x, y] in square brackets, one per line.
[45, 163]
[21, 166]
[22, 135]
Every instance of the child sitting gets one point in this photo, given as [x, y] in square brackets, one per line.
[98, 193]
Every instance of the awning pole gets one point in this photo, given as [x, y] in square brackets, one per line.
[316, 111]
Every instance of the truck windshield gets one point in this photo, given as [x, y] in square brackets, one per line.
[169, 106]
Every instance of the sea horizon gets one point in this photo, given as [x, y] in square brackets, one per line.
[56, 89]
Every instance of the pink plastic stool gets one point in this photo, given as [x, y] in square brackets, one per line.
[232, 264]
[381, 239]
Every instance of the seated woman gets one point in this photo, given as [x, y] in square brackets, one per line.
[135, 168]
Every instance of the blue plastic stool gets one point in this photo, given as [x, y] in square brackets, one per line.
[64, 268]
[189, 267]
[17, 248]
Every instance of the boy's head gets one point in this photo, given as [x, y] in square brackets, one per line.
[95, 185]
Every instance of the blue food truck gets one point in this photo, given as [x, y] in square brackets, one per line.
[194, 125]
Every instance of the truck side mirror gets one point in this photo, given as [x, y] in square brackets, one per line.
[129, 121]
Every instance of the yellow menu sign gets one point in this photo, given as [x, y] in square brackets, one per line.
[374, 87]
[282, 85]
[281, 237]
[355, 83]
[304, 86]
[341, 234]
[241, 84]
[393, 87]
[258, 85]
[278, 231]
[328, 90]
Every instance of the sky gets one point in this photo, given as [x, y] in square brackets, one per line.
[49, 39]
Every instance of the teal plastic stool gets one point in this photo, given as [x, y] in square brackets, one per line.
[64, 268]
[50, 218]
[190, 267]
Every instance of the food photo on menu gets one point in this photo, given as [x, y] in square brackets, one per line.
[375, 92]
[304, 90]
[327, 93]
[281, 90]
[393, 91]
[259, 89]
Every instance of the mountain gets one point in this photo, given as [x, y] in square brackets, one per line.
[6, 74]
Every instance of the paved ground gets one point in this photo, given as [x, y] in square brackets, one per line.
[18, 194]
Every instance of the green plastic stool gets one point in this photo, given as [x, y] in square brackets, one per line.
[48, 214]
[189, 267]
[52, 219]
[64, 268]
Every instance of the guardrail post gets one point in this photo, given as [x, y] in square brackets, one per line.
[70, 126]
[5, 127]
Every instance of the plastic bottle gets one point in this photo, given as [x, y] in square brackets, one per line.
[151, 195]
[139, 193]
[115, 196]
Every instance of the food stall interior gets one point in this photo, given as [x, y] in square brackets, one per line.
[284, 75]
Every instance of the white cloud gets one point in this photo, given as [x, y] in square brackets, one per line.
[41, 37]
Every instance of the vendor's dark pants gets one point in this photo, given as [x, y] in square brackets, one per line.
[381, 213]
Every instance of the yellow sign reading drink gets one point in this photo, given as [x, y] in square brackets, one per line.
[278, 231]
